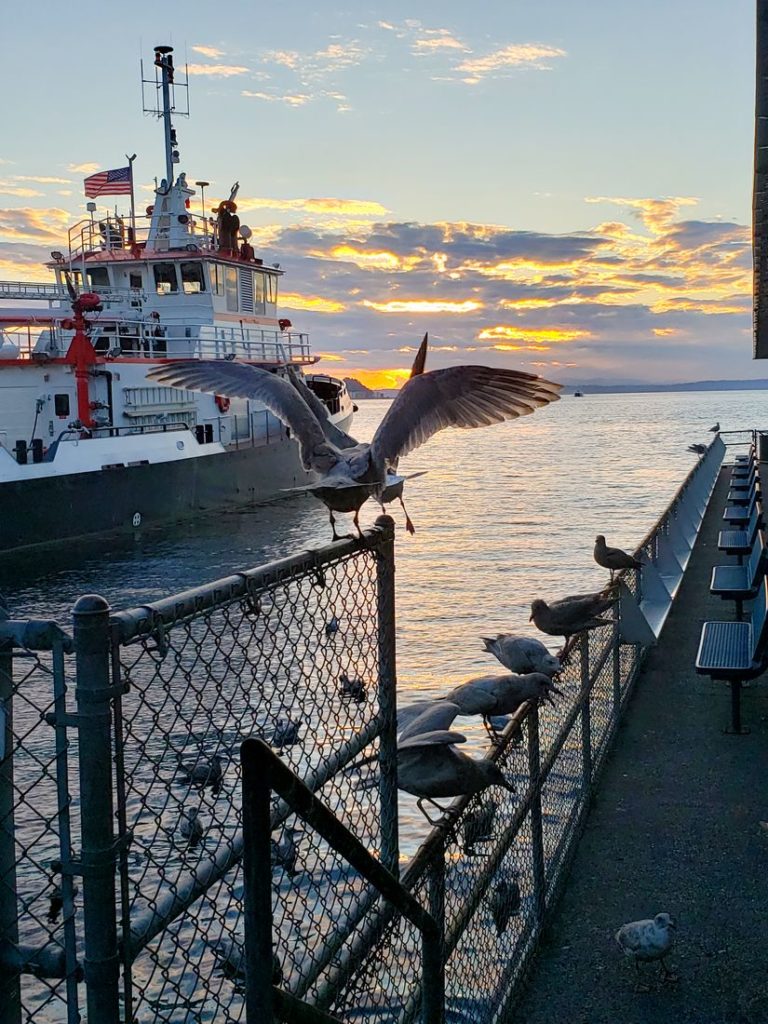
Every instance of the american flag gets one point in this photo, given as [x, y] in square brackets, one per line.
[109, 183]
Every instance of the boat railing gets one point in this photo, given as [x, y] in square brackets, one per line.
[53, 292]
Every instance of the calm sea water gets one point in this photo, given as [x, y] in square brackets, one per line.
[504, 514]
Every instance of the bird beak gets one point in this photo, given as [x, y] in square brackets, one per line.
[530, 618]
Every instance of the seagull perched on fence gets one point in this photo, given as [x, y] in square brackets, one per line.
[350, 472]
[571, 615]
[699, 449]
[522, 654]
[613, 558]
[715, 429]
[648, 940]
[429, 766]
[500, 695]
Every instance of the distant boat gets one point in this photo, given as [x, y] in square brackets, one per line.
[578, 394]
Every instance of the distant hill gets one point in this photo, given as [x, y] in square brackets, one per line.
[358, 390]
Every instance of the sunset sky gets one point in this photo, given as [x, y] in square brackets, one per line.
[553, 186]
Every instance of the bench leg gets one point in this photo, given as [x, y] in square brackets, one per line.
[739, 610]
[735, 728]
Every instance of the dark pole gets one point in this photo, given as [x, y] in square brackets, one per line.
[10, 990]
[92, 646]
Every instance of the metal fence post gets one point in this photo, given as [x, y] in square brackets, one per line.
[257, 878]
[586, 730]
[10, 985]
[537, 835]
[91, 636]
[436, 895]
[385, 610]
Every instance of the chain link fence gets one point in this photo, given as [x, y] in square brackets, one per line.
[121, 825]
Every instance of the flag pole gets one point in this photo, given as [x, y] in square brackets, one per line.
[130, 160]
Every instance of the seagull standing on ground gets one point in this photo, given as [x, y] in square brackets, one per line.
[190, 826]
[350, 472]
[613, 558]
[649, 940]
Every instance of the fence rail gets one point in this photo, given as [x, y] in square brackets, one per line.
[122, 889]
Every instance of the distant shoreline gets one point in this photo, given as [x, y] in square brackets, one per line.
[608, 389]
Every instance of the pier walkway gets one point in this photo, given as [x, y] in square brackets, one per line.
[680, 824]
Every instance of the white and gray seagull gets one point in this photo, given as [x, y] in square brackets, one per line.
[648, 940]
[522, 654]
[350, 472]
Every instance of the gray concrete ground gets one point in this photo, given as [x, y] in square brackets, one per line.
[679, 824]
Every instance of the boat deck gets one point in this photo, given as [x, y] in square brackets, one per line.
[680, 824]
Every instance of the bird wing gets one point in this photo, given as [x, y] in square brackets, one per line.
[421, 357]
[426, 718]
[629, 938]
[333, 433]
[435, 738]
[461, 396]
[239, 380]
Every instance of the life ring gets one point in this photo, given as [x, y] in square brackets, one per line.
[222, 403]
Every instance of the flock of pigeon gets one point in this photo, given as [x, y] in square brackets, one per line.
[347, 473]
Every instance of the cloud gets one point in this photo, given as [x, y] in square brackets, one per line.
[423, 306]
[298, 99]
[315, 303]
[34, 225]
[655, 214]
[87, 168]
[8, 188]
[208, 51]
[41, 180]
[321, 206]
[517, 55]
[438, 39]
[217, 70]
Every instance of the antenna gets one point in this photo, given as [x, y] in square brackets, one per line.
[165, 102]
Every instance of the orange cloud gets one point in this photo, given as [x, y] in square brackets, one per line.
[315, 303]
[208, 51]
[291, 99]
[529, 55]
[375, 260]
[379, 379]
[322, 206]
[423, 306]
[666, 332]
[216, 70]
[656, 214]
[331, 357]
[532, 334]
[27, 224]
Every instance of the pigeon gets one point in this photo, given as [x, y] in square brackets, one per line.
[500, 695]
[203, 773]
[429, 766]
[285, 850]
[573, 614]
[613, 558]
[504, 902]
[190, 826]
[699, 449]
[286, 732]
[478, 826]
[715, 429]
[352, 689]
[648, 940]
[350, 472]
[522, 654]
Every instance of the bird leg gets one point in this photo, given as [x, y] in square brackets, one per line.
[408, 524]
[640, 986]
[356, 521]
[570, 643]
[333, 524]
[432, 821]
[493, 736]
[667, 975]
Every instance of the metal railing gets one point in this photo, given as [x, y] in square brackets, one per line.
[300, 654]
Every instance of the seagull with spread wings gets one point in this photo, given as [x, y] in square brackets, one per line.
[350, 472]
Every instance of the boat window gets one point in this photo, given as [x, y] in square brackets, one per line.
[258, 292]
[165, 278]
[192, 280]
[98, 277]
[134, 281]
[230, 288]
[271, 290]
[61, 405]
[217, 279]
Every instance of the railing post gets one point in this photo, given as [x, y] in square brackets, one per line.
[10, 986]
[92, 648]
[434, 963]
[257, 878]
[385, 611]
[616, 665]
[586, 732]
[537, 835]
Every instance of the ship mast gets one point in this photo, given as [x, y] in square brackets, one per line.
[165, 86]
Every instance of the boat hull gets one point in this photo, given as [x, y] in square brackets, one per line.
[127, 499]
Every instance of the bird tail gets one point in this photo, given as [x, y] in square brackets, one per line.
[489, 643]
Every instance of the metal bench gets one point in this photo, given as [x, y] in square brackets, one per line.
[735, 651]
[740, 583]
[743, 484]
[739, 542]
[740, 514]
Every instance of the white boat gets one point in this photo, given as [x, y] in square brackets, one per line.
[87, 443]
